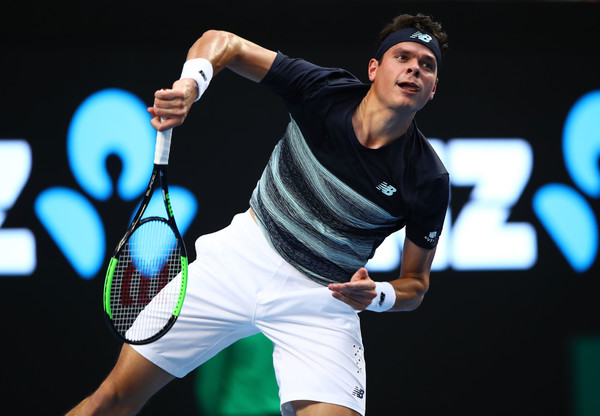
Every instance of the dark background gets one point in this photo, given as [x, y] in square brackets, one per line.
[482, 343]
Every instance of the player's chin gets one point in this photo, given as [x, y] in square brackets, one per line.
[410, 99]
[417, 102]
[411, 105]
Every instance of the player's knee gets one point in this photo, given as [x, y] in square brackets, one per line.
[103, 401]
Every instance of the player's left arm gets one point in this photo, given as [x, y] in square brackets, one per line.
[413, 282]
[410, 287]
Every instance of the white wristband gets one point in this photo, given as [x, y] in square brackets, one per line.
[201, 71]
[385, 299]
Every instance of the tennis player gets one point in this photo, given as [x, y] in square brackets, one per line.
[351, 168]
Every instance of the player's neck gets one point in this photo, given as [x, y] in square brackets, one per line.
[376, 126]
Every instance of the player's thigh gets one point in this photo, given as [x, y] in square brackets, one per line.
[309, 408]
[134, 377]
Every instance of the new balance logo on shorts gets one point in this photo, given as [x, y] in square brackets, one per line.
[360, 393]
[386, 189]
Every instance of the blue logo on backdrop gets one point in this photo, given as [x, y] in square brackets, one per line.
[564, 212]
[109, 122]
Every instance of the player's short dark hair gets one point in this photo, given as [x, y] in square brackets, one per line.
[419, 22]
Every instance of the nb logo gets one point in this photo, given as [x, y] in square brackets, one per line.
[360, 393]
[431, 237]
[386, 189]
[421, 36]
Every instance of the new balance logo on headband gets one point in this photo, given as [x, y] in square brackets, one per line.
[421, 36]
[410, 34]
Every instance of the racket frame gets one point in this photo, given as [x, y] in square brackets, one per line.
[159, 174]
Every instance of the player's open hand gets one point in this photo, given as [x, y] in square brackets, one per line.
[171, 106]
[358, 292]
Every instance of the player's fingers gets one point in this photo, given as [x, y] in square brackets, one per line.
[169, 94]
[360, 274]
[170, 109]
[356, 304]
[167, 98]
[161, 124]
[359, 293]
[354, 286]
[157, 123]
[172, 116]
[170, 105]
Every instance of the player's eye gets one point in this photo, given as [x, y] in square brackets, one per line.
[429, 66]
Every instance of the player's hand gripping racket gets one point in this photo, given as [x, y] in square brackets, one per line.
[147, 275]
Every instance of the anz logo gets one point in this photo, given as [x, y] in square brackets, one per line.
[115, 122]
[109, 122]
[481, 237]
[17, 245]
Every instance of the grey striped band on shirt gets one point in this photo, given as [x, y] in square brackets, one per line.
[311, 218]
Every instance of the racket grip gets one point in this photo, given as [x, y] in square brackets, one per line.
[163, 146]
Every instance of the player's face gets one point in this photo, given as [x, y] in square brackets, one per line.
[406, 76]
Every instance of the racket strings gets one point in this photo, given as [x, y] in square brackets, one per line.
[146, 281]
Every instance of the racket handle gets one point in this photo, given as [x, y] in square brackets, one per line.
[163, 146]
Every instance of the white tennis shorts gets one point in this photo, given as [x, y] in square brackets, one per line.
[239, 286]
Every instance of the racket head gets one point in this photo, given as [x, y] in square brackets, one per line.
[146, 282]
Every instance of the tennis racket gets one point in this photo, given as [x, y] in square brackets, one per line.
[146, 278]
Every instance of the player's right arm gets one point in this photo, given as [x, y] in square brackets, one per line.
[222, 50]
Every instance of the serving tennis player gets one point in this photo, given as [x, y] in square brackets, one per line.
[351, 168]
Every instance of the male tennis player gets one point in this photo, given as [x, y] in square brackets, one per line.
[351, 169]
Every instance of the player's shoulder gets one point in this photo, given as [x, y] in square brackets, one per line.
[285, 67]
[424, 158]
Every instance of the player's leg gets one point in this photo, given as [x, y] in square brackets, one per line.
[318, 353]
[127, 388]
[217, 311]
[309, 408]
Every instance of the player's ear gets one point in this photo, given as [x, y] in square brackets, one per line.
[373, 65]
[434, 89]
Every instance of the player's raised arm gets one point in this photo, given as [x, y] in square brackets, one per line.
[212, 52]
[224, 49]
